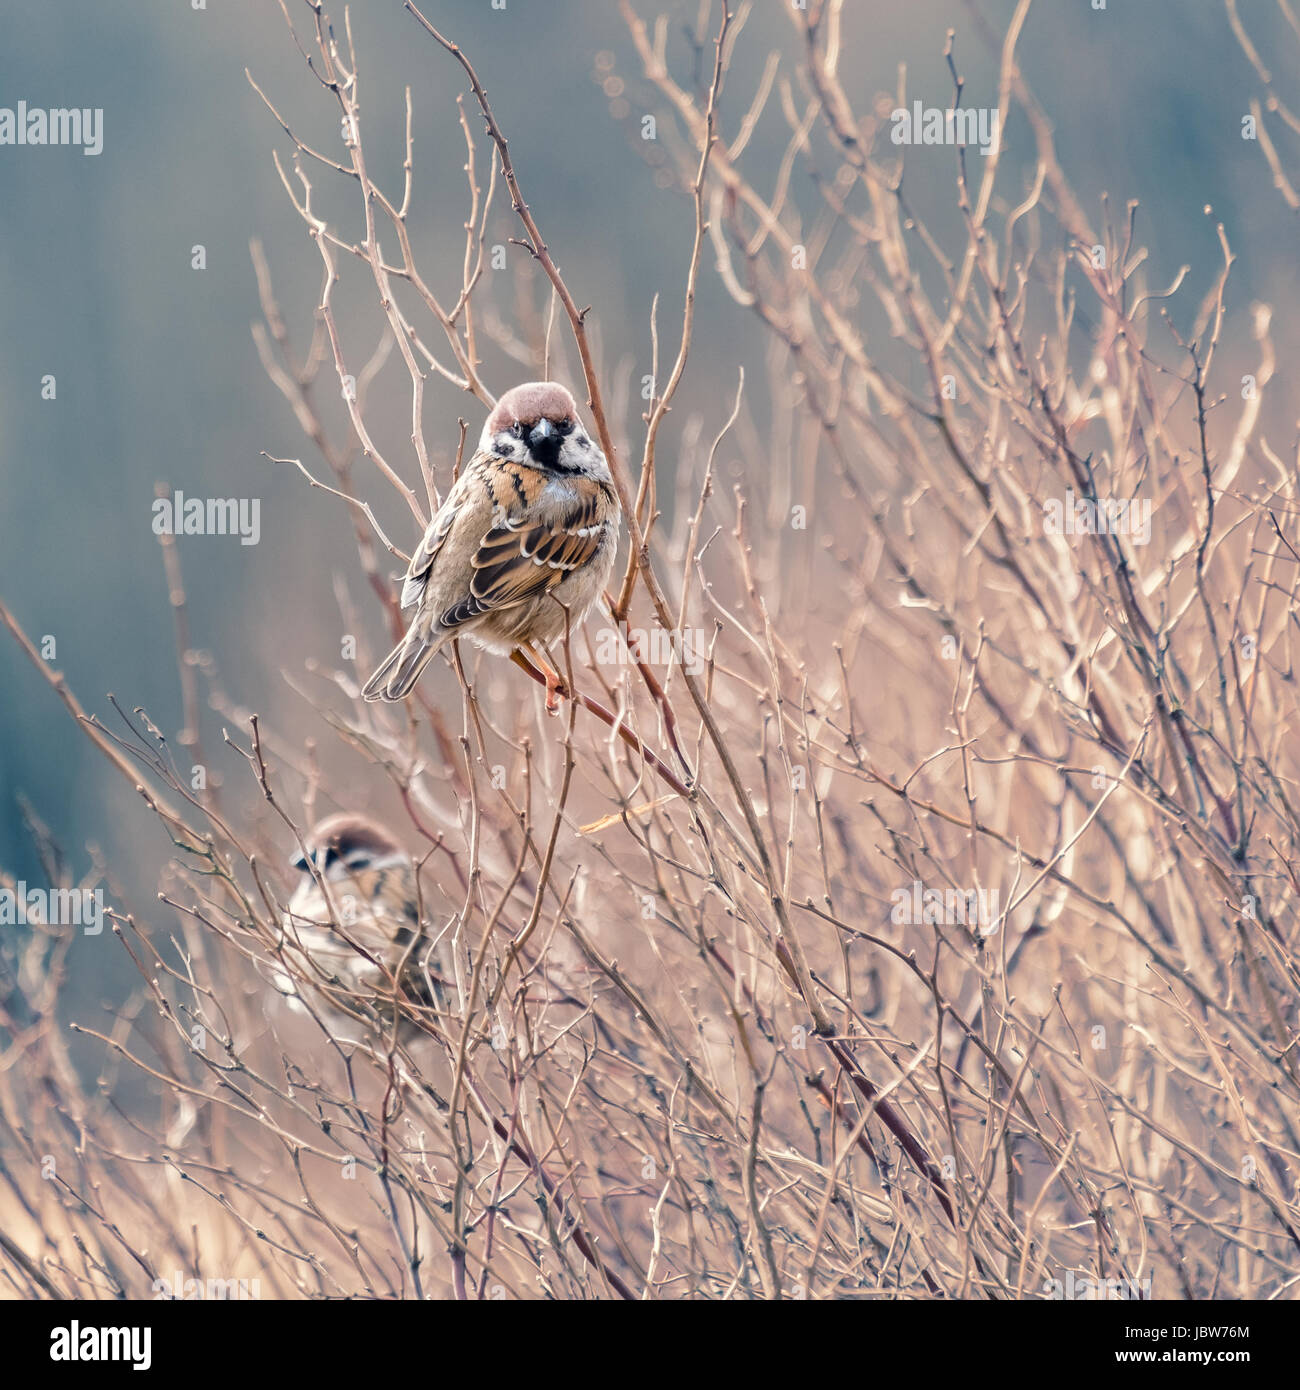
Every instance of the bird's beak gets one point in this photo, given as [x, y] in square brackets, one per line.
[544, 443]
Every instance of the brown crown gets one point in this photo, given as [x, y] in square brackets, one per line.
[347, 831]
[531, 402]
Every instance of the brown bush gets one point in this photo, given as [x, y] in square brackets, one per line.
[721, 1024]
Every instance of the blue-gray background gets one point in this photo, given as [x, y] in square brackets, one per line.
[158, 378]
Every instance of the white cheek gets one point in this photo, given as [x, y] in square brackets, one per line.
[506, 446]
[579, 447]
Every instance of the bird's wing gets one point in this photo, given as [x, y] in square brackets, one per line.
[435, 536]
[529, 549]
[387, 897]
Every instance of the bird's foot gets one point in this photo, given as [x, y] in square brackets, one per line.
[555, 692]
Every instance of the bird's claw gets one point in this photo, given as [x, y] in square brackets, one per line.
[555, 692]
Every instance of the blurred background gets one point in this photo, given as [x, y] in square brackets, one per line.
[157, 375]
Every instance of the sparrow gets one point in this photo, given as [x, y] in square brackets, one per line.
[366, 933]
[523, 544]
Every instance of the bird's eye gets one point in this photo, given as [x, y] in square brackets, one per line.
[330, 857]
[565, 426]
[517, 430]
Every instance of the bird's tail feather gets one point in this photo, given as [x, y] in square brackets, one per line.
[401, 668]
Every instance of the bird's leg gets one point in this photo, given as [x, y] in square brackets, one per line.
[556, 690]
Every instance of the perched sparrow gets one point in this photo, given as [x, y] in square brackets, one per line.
[528, 531]
[371, 883]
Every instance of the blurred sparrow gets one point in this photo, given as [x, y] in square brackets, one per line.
[360, 937]
[528, 531]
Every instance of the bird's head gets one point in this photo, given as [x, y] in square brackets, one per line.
[537, 424]
[345, 844]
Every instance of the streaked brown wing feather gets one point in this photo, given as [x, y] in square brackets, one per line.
[480, 474]
[513, 565]
[417, 572]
